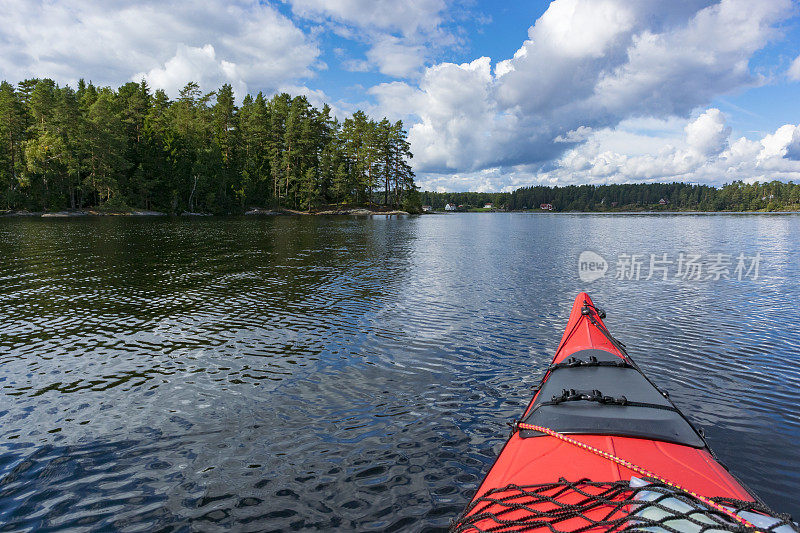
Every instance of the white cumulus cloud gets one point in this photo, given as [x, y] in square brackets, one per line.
[400, 35]
[199, 64]
[243, 42]
[587, 66]
[704, 153]
[395, 58]
[708, 134]
[577, 135]
[794, 69]
[408, 16]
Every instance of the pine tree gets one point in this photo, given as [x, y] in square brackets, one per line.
[106, 147]
[278, 112]
[71, 127]
[12, 128]
[309, 188]
[401, 173]
[224, 117]
[254, 129]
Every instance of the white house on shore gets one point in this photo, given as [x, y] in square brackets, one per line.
[450, 207]
[488, 206]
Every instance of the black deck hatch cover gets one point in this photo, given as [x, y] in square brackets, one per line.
[586, 417]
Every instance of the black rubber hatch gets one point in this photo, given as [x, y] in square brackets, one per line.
[592, 397]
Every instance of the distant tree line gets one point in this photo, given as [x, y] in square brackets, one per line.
[97, 147]
[736, 196]
[438, 200]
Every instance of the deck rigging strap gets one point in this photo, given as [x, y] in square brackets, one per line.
[584, 506]
[597, 396]
[638, 469]
[574, 362]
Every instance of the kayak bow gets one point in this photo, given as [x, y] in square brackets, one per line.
[595, 423]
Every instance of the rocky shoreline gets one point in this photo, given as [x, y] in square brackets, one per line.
[82, 213]
[359, 211]
[256, 211]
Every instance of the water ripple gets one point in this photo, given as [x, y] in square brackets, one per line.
[349, 373]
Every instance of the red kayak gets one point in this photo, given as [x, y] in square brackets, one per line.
[595, 424]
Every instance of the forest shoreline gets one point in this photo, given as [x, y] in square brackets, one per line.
[99, 151]
[363, 211]
[256, 211]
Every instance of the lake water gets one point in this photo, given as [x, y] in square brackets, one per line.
[315, 373]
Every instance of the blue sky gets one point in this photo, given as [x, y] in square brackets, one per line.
[756, 111]
[495, 95]
[484, 28]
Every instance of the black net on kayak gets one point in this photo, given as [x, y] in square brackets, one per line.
[614, 506]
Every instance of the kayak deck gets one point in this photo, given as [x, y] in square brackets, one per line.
[595, 392]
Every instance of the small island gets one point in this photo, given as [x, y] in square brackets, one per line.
[95, 151]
